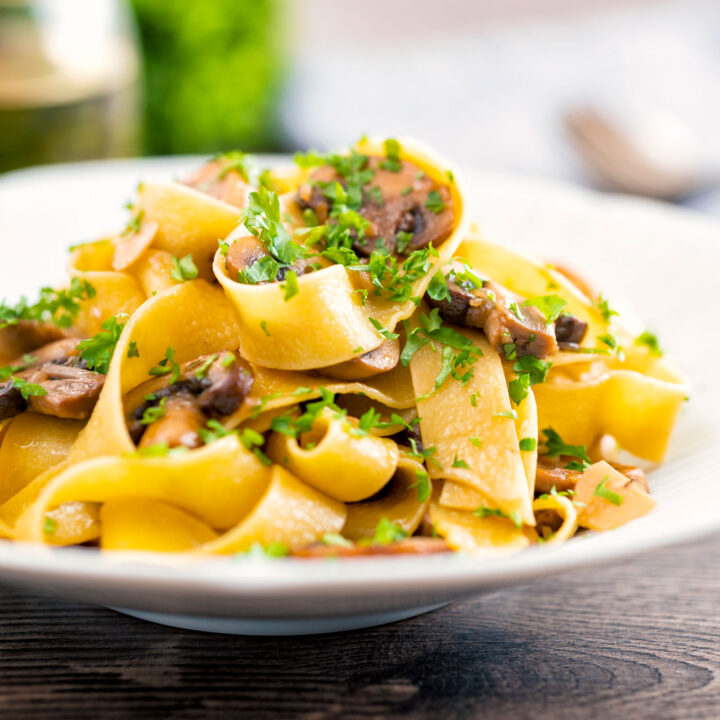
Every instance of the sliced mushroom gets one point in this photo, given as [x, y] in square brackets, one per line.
[500, 314]
[178, 426]
[12, 402]
[71, 391]
[244, 252]
[570, 331]
[393, 202]
[129, 248]
[216, 179]
[380, 360]
[25, 336]
[551, 474]
[229, 381]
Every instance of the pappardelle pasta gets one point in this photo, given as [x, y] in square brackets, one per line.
[323, 359]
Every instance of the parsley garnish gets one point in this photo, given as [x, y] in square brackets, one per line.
[50, 525]
[605, 310]
[475, 441]
[438, 288]
[60, 307]
[253, 440]
[434, 202]
[154, 413]
[202, 371]
[483, 512]
[387, 532]
[167, 366]
[290, 286]
[392, 153]
[336, 539]
[184, 268]
[383, 331]
[422, 483]
[556, 447]
[214, 431]
[263, 325]
[271, 549]
[531, 371]
[98, 350]
[28, 389]
[607, 494]
[549, 305]
[458, 463]
[528, 444]
[651, 342]
[288, 424]
[511, 414]
[133, 351]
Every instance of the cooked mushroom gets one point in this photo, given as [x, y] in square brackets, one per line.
[217, 179]
[216, 384]
[178, 426]
[380, 360]
[570, 331]
[25, 336]
[551, 474]
[244, 252]
[393, 202]
[500, 314]
[12, 402]
[228, 382]
[71, 391]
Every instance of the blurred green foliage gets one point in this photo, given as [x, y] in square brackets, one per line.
[213, 74]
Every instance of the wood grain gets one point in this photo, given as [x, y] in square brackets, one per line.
[638, 640]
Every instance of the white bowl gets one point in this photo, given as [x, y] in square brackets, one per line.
[660, 260]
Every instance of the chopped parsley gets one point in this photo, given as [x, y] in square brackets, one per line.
[387, 532]
[28, 389]
[392, 153]
[555, 446]
[422, 483]
[606, 494]
[289, 423]
[438, 288]
[514, 516]
[383, 331]
[458, 353]
[511, 414]
[154, 413]
[605, 310]
[290, 286]
[435, 203]
[214, 431]
[133, 351]
[531, 371]
[528, 444]
[271, 549]
[475, 442]
[263, 325]
[98, 350]
[336, 539]
[424, 455]
[167, 366]
[49, 525]
[183, 268]
[650, 341]
[202, 370]
[458, 463]
[60, 307]
[253, 441]
[549, 305]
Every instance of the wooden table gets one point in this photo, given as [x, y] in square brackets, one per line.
[637, 640]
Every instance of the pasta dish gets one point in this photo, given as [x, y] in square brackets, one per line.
[324, 359]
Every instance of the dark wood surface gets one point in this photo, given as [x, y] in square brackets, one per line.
[637, 640]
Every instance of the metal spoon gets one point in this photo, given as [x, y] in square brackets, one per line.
[661, 165]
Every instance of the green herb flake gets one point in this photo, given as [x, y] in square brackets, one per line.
[650, 341]
[528, 444]
[606, 494]
[514, 516]
[434, 202]
[458, 463]
[605, 310]
[336, 539]
[422, 483]
[183, 268]
[511, 414]
[382, 330]
[290, 286]
[475, 442]
[167, 366]
[133, 351]
[49, 525]
[98, 350]
[154, 413]
[387, 532]
[557, 447]
[549, 305]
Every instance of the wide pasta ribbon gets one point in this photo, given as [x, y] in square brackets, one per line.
[325, 322]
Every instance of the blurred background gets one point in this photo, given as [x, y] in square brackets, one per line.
[616, 94]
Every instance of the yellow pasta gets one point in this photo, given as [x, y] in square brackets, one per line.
[181, 394]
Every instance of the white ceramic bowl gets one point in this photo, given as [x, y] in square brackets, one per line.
[661, 261]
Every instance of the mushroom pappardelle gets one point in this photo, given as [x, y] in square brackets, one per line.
[323, 359]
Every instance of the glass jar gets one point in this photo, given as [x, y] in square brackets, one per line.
[69, 81]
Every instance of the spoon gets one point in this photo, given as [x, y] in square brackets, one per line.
[656, 158]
